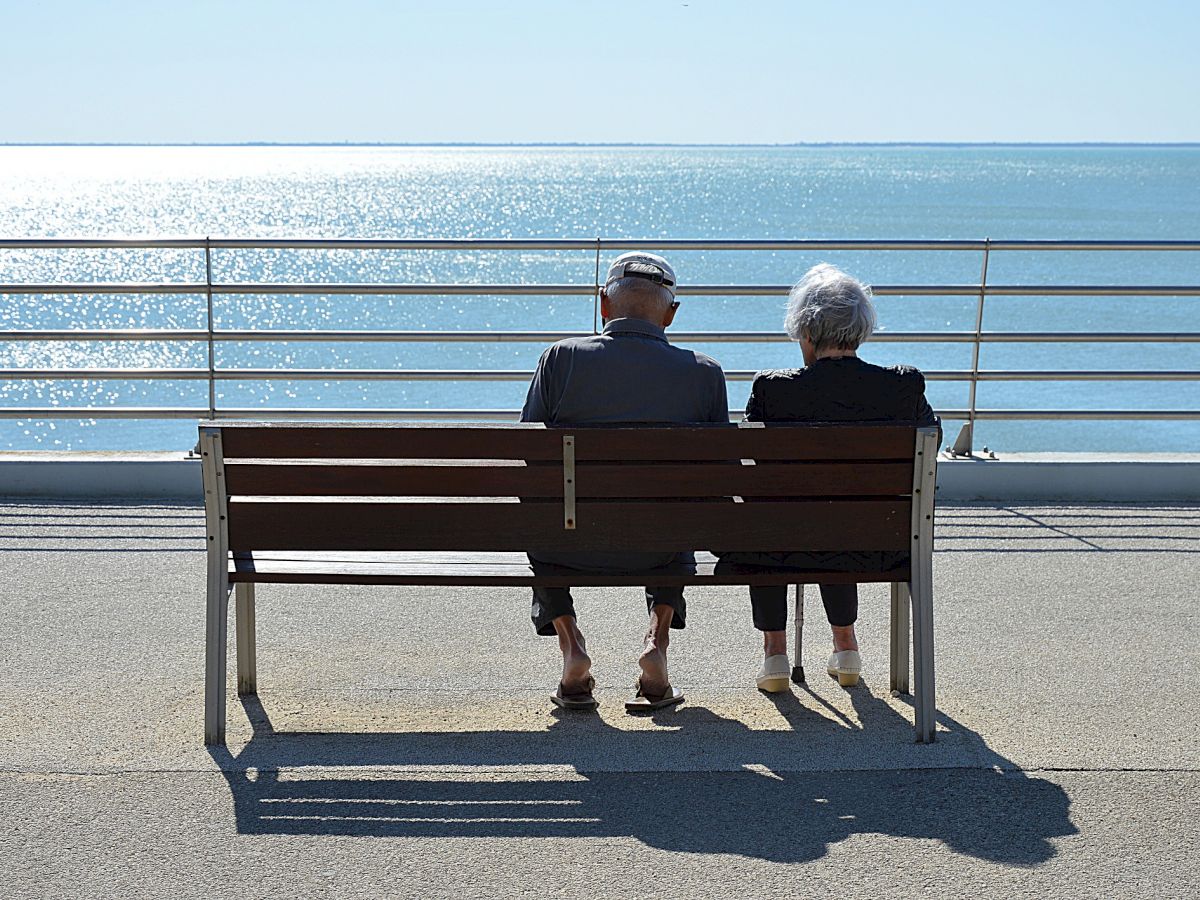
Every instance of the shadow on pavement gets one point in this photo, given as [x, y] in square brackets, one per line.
[991, 811]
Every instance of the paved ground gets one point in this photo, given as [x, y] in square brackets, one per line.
[402, 744]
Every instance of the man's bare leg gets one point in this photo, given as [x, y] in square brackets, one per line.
[577, 665]
[654, 651]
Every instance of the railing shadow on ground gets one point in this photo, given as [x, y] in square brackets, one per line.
[754, 807]
[55, 526]
[1067, 528]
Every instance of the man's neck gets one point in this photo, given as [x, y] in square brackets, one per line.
[658, 325]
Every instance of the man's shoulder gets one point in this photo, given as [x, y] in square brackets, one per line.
[581, 340]
[572, 344]
[702, 360]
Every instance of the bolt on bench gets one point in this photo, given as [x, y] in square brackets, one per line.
[398, 504]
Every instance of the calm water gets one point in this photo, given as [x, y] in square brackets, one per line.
[835, 192]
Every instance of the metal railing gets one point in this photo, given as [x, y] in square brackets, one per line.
[211, 335]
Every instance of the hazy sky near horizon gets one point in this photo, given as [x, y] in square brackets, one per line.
[704, 71]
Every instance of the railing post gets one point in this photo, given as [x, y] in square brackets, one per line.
[596, 293]
[963, 444]
[212, 362]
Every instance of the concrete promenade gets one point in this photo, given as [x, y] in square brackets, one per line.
[402, 743]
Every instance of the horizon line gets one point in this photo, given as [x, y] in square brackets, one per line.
[598, 144]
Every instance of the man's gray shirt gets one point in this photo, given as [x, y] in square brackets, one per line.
[627, 373]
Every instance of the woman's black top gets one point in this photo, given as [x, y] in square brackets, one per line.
[842, 389]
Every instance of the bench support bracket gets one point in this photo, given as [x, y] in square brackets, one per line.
[569, 482]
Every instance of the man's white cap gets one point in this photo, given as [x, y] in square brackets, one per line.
[642, 265]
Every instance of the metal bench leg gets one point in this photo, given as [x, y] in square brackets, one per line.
[900, 637]
[247, 665]
[216, 636]
[922, 607]
[920, 585]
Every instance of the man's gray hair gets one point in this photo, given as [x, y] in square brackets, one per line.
[637, 296]
[830, 308]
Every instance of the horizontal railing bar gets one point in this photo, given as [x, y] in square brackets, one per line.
[1165, 415]
[511, 415]
[1086, 337]
[549, 337]
[114, 243]
[197, 243]
[382, 289]
[107, 334]
[186, 412]
[1073, 375]
[125, 287]
[146, 373]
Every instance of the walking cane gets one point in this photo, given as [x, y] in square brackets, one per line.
[798, 666]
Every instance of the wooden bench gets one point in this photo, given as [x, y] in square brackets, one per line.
[460, 504]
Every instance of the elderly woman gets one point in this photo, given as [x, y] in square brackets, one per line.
[830, 314]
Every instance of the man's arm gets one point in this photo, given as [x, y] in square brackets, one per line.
[719, 405]
[537, 400]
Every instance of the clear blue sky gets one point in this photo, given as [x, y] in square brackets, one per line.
[579, 70]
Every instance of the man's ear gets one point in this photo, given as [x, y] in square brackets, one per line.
[669, 315]
[604, 305]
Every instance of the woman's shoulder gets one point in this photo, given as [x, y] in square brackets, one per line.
[772, 375]
[905, 373]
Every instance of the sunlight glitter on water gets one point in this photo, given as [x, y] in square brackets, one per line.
[848, 192]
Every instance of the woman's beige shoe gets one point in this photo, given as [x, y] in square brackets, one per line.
[775, 675]
[846, 666]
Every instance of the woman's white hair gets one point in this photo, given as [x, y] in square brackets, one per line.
[830, 308]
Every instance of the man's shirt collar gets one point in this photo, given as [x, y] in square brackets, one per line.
[635, 326]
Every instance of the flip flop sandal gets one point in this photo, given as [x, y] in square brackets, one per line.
[577, 699]
[643, 702]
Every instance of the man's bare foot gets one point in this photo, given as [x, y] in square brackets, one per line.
[577, 665]
[577, 671]
[653, 660]
[653, 680]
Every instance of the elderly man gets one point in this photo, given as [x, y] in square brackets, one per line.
[627, 373]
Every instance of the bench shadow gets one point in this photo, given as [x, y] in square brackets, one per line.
[755, 807]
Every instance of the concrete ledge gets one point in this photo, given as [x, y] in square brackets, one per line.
[117, 475]
[1086, 477]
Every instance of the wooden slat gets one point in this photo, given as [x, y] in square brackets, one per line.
[507, 570]
[600, 525]
[593, 480]
[534, 442]
[748, 441]
[317, 441]
[310, 479]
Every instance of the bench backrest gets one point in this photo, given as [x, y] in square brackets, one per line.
[305, 487]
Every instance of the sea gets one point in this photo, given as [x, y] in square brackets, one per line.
[1101, 192]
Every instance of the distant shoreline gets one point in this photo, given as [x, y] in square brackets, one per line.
[615, 144]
